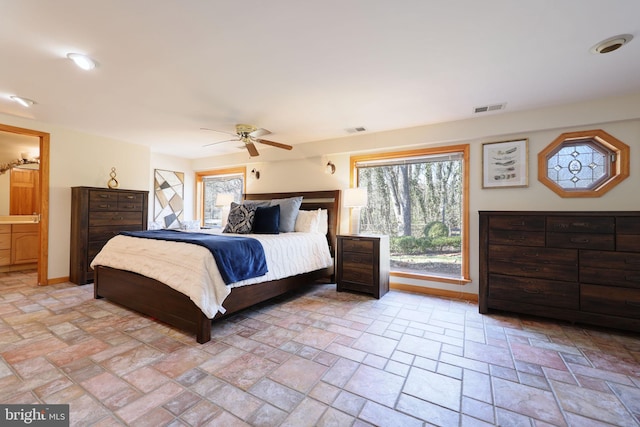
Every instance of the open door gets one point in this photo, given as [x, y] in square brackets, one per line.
[35, 189]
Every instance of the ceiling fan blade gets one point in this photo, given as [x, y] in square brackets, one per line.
[218, 131]
[220, 142]
[274, 144]
[253, 151]
[259, 132]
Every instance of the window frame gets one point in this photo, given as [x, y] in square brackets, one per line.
[618, 168]
[464, 232]
[215, 172]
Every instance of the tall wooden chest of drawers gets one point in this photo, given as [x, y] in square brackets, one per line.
[97, 214]
[576, 266]
[362, 264]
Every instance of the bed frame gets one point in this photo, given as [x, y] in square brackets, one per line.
[155, 299]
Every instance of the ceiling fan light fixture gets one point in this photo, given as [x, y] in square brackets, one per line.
[25, 102]
[82, 61]
[611, 44]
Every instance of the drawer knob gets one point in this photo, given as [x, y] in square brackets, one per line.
[530, 269]
[632, 303]
[579, 224]
[632, 278]
[517, 223]
[531, 290]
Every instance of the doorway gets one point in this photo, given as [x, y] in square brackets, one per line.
[43, 197]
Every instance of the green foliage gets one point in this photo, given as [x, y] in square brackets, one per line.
[409, 245]
[436, 229]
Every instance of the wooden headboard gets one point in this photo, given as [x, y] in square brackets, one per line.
[311, 200]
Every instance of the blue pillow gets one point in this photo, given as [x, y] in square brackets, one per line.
[289, 209]
[266, 220]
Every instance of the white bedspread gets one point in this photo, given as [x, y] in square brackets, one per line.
[192, 270]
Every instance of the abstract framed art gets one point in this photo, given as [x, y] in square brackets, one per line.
[168, 206]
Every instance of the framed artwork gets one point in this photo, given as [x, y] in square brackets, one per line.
[505, 164]
[168, 205]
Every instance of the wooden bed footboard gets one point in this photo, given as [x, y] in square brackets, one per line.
[155, 299]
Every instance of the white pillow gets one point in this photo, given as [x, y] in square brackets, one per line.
[323, 221]
[307, 221]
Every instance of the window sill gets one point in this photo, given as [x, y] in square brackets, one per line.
[432, 278]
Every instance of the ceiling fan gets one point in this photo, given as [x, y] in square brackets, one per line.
[250, 134]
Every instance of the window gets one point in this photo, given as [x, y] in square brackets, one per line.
[211, 185]
[419, 199]
[583, 164]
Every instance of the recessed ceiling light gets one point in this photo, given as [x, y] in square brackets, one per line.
[612, 43]
[25, 102]
[82, 61]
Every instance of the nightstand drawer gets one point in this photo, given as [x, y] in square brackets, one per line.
[357, 245]
[357, 273]
[357, 258]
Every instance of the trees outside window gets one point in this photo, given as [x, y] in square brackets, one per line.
[210, 185]
[418, 198]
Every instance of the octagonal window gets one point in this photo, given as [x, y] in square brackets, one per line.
[583, 164]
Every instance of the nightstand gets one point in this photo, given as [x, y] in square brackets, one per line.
[363, 264]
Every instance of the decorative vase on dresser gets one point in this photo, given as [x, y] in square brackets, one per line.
[363, 264]
[576, 266]
[98, 214]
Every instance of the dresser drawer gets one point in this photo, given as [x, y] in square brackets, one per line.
[130, 201]
[628, 225]
[5, 228]
[581, 241]
[610, 268]
[628, 233]
[610, 300]
[522, 238]
[535, 269]
[115, 218]
[517, 222]
[103, 201]
[520, 254]
[106, 232]
[577, 224]
[534, 291]
[357, 245]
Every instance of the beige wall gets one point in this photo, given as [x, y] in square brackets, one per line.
[82, 159]
[303, 167]
[78, 159]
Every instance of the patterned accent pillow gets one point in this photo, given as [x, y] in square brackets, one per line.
[240, 219]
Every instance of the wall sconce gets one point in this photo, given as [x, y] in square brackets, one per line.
[330, 168]
[255, 173]
[356, 199]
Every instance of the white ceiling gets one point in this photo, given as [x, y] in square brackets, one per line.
[305, 70]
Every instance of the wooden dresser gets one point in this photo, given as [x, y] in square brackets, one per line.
[362, 264]
[97, 214]
[576, 266]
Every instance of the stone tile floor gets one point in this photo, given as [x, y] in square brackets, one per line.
[318, 358]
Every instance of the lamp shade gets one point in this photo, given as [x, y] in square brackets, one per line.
[224, 199]
[355, 197]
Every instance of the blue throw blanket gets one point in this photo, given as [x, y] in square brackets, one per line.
[238, 258]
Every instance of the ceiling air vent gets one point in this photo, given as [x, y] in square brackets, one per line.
[486, 108]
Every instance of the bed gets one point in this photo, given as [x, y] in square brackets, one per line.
[157, 300]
